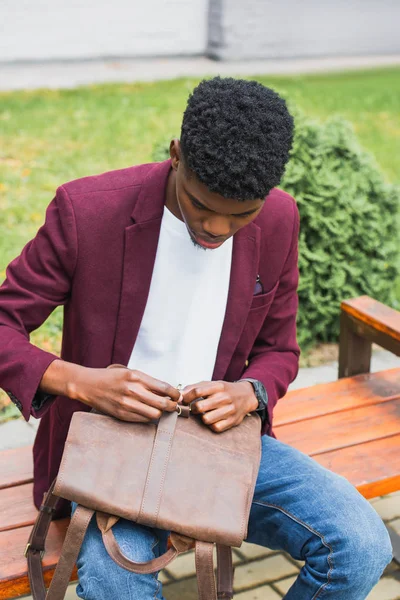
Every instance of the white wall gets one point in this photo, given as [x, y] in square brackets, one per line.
[298, 28]
[238, 29]
[61, 29]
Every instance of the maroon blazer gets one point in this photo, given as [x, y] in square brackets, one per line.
[95, 254]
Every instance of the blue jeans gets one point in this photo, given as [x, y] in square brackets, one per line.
[298, 506]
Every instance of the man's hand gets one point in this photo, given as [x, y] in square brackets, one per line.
[123, 393]
[223, 404]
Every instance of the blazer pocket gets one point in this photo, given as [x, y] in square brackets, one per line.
[263, 300]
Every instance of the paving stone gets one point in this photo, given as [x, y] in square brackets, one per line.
[164, 576]
[183, 566]
[374, 500]
[386, 589]
[181, 590]
[251, 551]
[16, 433]
[262, 593]
[395, 525]
[71, 593]
[263, 571]
[299, 563]
[388, 507]
[284, 585]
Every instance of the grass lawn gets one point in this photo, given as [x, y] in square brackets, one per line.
[50, 137]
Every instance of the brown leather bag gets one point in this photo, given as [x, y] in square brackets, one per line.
[177, 475]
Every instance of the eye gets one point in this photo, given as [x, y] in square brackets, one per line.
[198, 206]
[242, 216]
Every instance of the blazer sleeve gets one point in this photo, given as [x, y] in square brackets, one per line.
[37, 281]
[274, 358]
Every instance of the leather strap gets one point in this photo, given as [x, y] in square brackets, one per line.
[224, 573]
[36, 542]
[70, 550]
[180, 544]
[205, 571]
[153, 488]
[69, 553]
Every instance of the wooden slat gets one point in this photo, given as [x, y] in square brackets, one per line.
[341, 395]
[374, 314]
[16, 507]
[338, 430]
[16, 466]
[373, 468]
[13, 569]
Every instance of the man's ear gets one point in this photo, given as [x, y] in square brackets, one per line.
[175, 153]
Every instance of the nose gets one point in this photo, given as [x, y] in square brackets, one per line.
[217, 227]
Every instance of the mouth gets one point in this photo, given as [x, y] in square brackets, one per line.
[206, 242]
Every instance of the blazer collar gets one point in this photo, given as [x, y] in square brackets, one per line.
[151, 198]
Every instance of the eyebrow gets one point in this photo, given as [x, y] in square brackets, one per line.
[194, 199]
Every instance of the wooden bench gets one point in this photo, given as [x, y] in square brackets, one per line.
[351, 426]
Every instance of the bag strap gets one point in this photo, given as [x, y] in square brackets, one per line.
[225, 572]
[205, 571]
[35, 547]
[180, 544]
[72, 544]
[69, 553]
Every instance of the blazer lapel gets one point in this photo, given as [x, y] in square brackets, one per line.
[140, 251]
[245, 260]
[141, 240]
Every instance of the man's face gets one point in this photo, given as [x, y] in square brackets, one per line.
[209, 217]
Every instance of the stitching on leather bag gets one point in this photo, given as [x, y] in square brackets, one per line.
[250, 496]
[166, 460]
[147, 480]
[60, 476]
[164, 471]
[210, 563]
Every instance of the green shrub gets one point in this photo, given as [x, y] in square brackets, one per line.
[348, 239]
[349, 242]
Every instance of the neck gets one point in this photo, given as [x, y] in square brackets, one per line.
[171, 201]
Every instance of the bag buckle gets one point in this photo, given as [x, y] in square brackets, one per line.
[183, 410]
[30, 547]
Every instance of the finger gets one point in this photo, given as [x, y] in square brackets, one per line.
[162, 403]
[136, 406]
[162, 388]
[131, 417]
[222, 426]
[210, 403]
[201, 390]
[213, 416]
[187, 388]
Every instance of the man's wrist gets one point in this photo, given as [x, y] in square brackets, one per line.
[261, 397]
[61, 378]
[252, 403]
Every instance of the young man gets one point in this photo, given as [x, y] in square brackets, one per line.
[186, 272]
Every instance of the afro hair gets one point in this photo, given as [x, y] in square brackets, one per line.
[236, 137]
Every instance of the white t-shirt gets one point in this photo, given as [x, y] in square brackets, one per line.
[182, 322]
